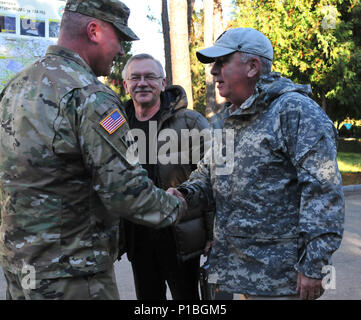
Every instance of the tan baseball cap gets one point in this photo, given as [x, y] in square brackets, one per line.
[246, 40]
[112, 11]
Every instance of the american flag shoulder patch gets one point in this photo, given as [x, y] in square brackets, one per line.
[113, 122]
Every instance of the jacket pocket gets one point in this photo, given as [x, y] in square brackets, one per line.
[273, 256]
[190, 237]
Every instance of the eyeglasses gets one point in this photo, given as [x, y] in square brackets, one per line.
[148, 78]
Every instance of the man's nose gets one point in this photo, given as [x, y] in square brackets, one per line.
[214, 69]
[142, 81]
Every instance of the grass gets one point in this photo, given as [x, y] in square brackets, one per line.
[349, 161]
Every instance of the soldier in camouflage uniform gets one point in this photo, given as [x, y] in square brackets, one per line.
[64, 173]
[280, 209]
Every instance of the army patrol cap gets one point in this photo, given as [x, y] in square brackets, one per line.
[246, 40]
[112, 11]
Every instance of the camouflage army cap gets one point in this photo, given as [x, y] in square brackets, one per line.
[112, 11]
[245, 40]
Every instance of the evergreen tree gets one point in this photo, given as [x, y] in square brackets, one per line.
[313, 43]
[115, 80]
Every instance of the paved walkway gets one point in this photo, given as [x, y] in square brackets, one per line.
[347, 260]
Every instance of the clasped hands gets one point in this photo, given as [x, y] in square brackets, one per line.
[179, 195]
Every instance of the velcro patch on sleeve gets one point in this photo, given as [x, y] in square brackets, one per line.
[113, 121]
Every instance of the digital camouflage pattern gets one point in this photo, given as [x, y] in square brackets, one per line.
[65, 181]
[282, 209]
[113, 11]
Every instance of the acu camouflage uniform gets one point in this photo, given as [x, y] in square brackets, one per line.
[66, 181]
[281, 210]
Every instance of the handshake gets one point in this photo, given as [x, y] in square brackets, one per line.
[179, 195]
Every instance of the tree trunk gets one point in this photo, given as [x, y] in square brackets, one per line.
[181, 71]
[190, 5]
[208, 41]
[218, 29]
[324, 103]
[167, 44]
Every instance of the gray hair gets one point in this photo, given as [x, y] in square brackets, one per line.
[142, 56]
[266, 64]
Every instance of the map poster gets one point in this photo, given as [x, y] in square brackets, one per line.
[27, 28]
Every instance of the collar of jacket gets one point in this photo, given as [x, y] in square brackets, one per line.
[268, 88]
[172, 99]
[69, 54]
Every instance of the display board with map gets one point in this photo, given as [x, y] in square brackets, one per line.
[27, 28]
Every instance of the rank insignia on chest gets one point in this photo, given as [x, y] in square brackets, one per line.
[113, 122]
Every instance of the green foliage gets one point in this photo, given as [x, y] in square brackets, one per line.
[115, 80]
[197, 68]
[314, 42]
[345, 76]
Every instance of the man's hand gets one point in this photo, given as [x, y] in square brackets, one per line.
[309, 288]
[179, 195]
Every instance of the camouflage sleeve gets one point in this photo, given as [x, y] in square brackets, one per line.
[310, 138]
[201, 124]
[121, 183]
[198, 189]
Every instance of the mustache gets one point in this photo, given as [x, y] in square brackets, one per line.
[143, 90]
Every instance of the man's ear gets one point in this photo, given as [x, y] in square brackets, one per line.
[254, 67]
[93, 31]
[164, 83]
[125, 85]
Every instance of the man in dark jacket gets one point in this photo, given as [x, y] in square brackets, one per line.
[170, 255]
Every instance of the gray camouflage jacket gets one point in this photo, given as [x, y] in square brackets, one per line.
[64, 175]
[280, 209]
